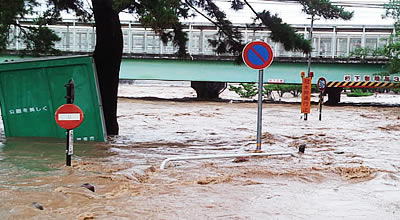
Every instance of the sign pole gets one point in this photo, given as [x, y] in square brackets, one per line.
[309, 56]
[259, 115]
[70, 144]
[69, 116]
[69, 148]
[321, 84]
[320, 105]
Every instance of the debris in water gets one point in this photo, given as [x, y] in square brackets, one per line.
[269, 138]
[66, 190]
[354, 172]
[37, 205]
[251, 182]
[214, 180]
[88, 186]
[206, 181]
[302, 148]
[240, 159]
[86, 216]
[294, 144]
[390, 128]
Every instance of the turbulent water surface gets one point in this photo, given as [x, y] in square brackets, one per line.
[350, 168]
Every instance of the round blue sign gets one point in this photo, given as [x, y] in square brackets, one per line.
[257, 55]
[321, 84]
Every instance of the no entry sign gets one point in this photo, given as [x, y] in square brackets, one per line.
[257, 55]
[68, 116]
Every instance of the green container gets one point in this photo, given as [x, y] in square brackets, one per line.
[32, 90]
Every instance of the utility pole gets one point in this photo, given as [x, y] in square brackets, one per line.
[309, 54]
[311, 40]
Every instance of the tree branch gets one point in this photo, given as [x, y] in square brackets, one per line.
[199, 12]
[210, 20]
[252, 9]
[282, 32]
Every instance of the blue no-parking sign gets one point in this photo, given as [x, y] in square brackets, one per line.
[257, 55]
[321, 84]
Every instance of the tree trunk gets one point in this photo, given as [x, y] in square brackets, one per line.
[333, 95]
[107, 56]
[208, 90]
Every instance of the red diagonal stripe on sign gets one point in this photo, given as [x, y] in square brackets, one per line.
[258, 55]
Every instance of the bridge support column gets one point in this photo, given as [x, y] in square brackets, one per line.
[208, 90]
[333, 95]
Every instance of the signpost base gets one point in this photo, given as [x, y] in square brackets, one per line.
[69, 147]
[321, 100]
[321, 84]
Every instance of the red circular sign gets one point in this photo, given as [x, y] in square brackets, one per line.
[321, 84]
[68, 116]
[257, 55]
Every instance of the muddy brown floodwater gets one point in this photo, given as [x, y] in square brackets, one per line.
[350, 169]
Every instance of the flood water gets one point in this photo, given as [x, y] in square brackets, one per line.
[350, 168]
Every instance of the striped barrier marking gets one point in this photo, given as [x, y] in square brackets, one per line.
[342, 84]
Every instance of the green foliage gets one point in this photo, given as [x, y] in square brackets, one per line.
[158, 14]
[120, 5]
[392, 49]
[281, 32]
[267, 90]
[228, 39]
[295, 90]
[359, 93]
[284, 33]
[40, 41]
[396, 90]
[361, 52]
[161, 16]
[9, 11]
[314, 88]
[393, 9]
[249, 90]
[325, 9]
[237, 5]
[245, 90]
[368, 52]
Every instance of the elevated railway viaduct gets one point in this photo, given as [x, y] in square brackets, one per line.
[146, 57]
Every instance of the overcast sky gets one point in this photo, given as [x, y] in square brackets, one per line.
[291, 13]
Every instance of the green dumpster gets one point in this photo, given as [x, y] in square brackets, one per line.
[32, 90]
